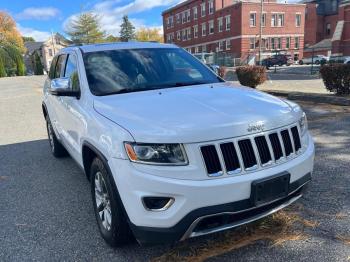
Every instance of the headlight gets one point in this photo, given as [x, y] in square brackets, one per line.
[303, 124]
[156, 154]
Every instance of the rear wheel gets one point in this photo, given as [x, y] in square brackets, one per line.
[109, 211]
[56, 147]
[301, 62]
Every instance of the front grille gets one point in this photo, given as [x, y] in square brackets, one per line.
[263, 148]
[247, 152]
[236, 156]
[230, 156]
[276, 146]
[287, 142]
[211, 159]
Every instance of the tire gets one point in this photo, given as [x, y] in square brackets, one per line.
[301, 62]
[56, 147]
[317, 62]
[109, 211]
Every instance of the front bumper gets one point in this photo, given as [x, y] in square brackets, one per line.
[223, 216]
[195, 198]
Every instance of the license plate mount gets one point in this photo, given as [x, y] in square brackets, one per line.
[270, 189]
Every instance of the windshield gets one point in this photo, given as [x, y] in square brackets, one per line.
[132, 70]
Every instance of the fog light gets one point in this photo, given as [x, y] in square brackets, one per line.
[157, 203]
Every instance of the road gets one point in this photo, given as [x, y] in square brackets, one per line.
[46, 212]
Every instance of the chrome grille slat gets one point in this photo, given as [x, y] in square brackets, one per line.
[242, 155]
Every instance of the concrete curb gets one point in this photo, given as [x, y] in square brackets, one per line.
[317, 98]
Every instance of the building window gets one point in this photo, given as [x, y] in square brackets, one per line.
[50, 52]
[178, 20]
[252, 43]
[178, 33]
[221, 24]
[252, 19]
[195, 31]
[170, 22]
[211, 7]
[265, 43]
[263, 20]
[221, 46]
[273, 44]
[184, 35]
[228, 44]
[334, 6]
[204, 29]
[298, 20]
[296, 42]
[328, 29]
[189, 33]
[279, 43]
[203, 9]
[188, 15]
[287, 42]
[183, 15]
[277, 20]
[228, 22]
[196, 50]
[211, 27]
[204, 48]
[195, 13]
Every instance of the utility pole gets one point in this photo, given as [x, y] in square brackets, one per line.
[261, 29]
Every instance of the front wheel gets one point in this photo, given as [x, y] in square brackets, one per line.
[109, 211]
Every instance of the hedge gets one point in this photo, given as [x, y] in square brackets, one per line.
[251, 76]
[336, 78]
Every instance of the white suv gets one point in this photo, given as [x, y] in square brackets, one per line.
[172, 151]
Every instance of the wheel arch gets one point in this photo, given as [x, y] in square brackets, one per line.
[44, 109]
[89, 152]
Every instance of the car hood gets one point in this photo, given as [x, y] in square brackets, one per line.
[195, 113]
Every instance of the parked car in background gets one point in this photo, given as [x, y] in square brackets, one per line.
[278, 60]
[317, 60]
[171, 150]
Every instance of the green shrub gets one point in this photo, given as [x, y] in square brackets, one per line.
[17, 59]
[251, 76]
[2, 69]
[38, 66]
[336, 78]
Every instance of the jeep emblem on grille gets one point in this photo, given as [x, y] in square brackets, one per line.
[256, 127]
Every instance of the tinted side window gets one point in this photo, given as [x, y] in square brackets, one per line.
[60, 66]
[52, 68]
[71, 71]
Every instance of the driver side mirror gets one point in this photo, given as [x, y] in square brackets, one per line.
[62, 87]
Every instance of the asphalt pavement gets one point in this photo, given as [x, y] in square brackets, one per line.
[46, 212]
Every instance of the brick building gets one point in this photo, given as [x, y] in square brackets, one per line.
[232, 27]
[327, 27]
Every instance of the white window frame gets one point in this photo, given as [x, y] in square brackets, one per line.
[178, 18]
[288, 42]
[228, 44]
[183, 17]
[203, 10]
[189, 36]
[263, 19]
[220, 46]
[178, 35]
[220, 24]
[195, 31]
[196, 50]
[211, 8]
[254, 19]
[250, 43]
[296, 43]
[188, 15]
[211, 26]
[195, 12]
[204, 29]
[298, 21]
[228, 22]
